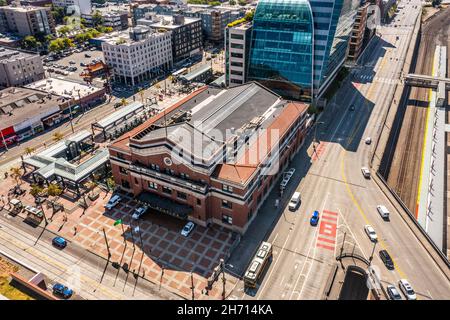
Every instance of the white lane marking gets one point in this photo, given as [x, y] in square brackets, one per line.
[312, 245]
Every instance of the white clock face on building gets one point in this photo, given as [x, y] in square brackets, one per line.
[167, 161]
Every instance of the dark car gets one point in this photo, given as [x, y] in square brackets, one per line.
[59, 242]
[62, 290]
[393, 293]
[387, 260]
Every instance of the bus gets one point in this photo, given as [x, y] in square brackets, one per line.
[258, 265]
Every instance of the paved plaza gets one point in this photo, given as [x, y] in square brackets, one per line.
[156, 252]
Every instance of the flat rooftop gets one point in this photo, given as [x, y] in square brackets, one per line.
[216, 114]
[167, 22]
[9, 55]
[123, 37]
[20, 104]
[24, 8]
[65, 88]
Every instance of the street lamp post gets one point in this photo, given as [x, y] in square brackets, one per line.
[373, 251]
[315, 130]
[223, 278]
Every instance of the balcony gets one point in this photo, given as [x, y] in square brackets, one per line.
[184, 183]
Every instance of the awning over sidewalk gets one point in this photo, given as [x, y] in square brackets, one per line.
[164, 205]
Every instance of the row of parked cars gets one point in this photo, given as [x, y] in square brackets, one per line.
[140, 211]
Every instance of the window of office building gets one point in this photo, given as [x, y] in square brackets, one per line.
[227, 218]
[227, 204]
[227, 188]
[181, 195]
[152, 185]
[167, 190]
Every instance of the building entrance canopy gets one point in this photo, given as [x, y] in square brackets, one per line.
[164, 205]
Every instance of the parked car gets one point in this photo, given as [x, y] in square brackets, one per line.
[87, 55]
[59, 242]
[139, 212]
[82, 64]
[371, 233]
[314, 218]
[72, 62]
[383, 211]
[295, 201]
[187, 229]
[115, 199]
[407, 289]
[393, 292]
[366, 172]
[368, 140]
[62, 290]
[387, 260]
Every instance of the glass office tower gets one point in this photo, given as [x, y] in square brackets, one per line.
[281, 56]
[297, 46]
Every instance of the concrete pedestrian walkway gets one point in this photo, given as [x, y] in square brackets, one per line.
[431, 184]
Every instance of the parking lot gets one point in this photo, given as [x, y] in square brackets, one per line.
[79, 58]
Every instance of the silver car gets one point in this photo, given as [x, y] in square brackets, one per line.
[371, 233]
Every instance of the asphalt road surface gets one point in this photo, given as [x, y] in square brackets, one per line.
[334, 183]
[90, 276]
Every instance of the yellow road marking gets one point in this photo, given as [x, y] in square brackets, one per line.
[349, 191]
[422, 164]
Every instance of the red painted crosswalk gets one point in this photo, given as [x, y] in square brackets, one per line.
[327, 230]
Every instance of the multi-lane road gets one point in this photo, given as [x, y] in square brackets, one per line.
[303, 256]
[90, 276]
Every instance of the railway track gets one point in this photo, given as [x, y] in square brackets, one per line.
[404, 172]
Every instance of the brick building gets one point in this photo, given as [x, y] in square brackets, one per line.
[214, 156]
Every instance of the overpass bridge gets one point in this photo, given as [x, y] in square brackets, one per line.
[438, 83]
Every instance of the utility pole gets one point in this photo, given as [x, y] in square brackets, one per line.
[107, 245]
[223, 278]
[373, 250]
[4, 142]
[70, 110]
[192, 286]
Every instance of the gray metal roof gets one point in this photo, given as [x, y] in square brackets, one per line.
[197, 72]
[122, 113]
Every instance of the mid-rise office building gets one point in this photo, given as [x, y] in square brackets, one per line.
[18, 68]
[360, 35]
[75, 6]
[186, 34]
[214, 156]
[118, 20]
[139, 54]
[237, 47]
[26, 21]
[298, 46]
[214, 21]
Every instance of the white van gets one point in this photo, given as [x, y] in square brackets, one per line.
[383, 211]
[295, 201]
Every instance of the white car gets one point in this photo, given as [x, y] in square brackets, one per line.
[365, 172]
[383, 211]
[139, 212]
[368, 140]
[371, 233]
[187, 228]
[115, 199]
[407, 289]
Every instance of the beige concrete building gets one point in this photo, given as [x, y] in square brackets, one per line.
[26, 21]
[18, 68]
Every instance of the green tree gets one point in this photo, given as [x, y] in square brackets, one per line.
[36, 190]
[57, 136]
[242, 2]
[30, 42]
[3, 3]
[232, 2]
[58, 14]
[16, 174]
[64, 30]
[97, 19]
